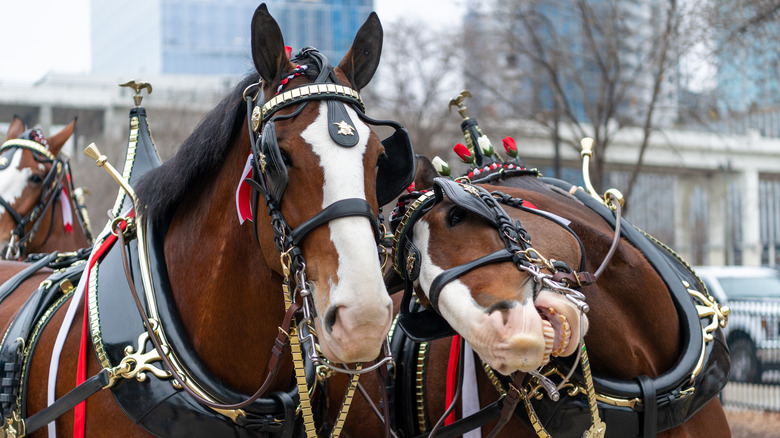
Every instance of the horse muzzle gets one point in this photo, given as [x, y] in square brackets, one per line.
[354, 333]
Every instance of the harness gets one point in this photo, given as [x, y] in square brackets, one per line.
[129, 348]
[423, 325]
[632, 408]
[52, 186]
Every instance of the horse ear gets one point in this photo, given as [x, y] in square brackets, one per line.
[362, 59]
[15, 128]
[57, 141]
[268, 51]
[423, 178]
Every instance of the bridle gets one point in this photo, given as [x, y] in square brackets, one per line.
[50, 192]
[270, 179]
[549, 274]
[517, 241]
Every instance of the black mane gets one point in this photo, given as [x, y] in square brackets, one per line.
[161, 190]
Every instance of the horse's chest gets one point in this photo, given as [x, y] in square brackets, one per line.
[153, 399]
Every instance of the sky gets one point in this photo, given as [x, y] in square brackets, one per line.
[41, 36]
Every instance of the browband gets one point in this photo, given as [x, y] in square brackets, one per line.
[304, 93]
[28, 144]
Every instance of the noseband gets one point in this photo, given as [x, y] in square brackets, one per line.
[51, 184]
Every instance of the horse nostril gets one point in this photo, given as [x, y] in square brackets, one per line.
[502, 306]
[330, 318]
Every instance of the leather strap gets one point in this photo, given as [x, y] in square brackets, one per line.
[9, 286]
[509, 403]
[447, 276]
[12, 211]
[68, 401]
[650, 403]
[339, 209]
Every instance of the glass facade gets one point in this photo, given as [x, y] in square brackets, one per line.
[213, 36]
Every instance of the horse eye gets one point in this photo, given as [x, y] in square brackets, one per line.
[455, 216]
[36, 179]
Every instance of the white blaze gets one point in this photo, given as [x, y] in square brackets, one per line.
[13, 180]
[359, 273]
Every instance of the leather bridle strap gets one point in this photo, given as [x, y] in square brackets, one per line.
[280, 343]
[12, 211]
[339, 209]
[441, 280]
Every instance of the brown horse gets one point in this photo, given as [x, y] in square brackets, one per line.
[223, 282]
[634, 328]
[39, 211]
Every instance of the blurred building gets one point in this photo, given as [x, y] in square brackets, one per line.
[151, 37]
[534, 37]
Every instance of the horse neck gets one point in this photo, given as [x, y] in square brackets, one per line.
[229, 299]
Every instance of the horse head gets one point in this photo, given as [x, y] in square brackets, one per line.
[509, 316]
[30, 173]
[319, 161]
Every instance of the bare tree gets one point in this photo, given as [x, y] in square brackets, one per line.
[584, 68]
[418, 74]
[745, 36]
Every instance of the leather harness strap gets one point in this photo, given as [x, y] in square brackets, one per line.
[650, 404]
[9, 286]
[509, 401]
[68, 401]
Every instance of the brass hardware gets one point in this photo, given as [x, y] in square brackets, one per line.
[410, 259]
[345, 128]
[402, 225]
[127, 170]
[257, 116]
[324, 373]
[262, 162]
[458, 101]
[101, 160]
[309, 90]
[66, 286]
[597, 429]
[345, 404]
[138, 87]
[137, 363]
[611, 195]
[419, 379]
[586, 154]
[536, 423]
[14, 427]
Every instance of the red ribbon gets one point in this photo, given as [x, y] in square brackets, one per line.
[452, 377]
